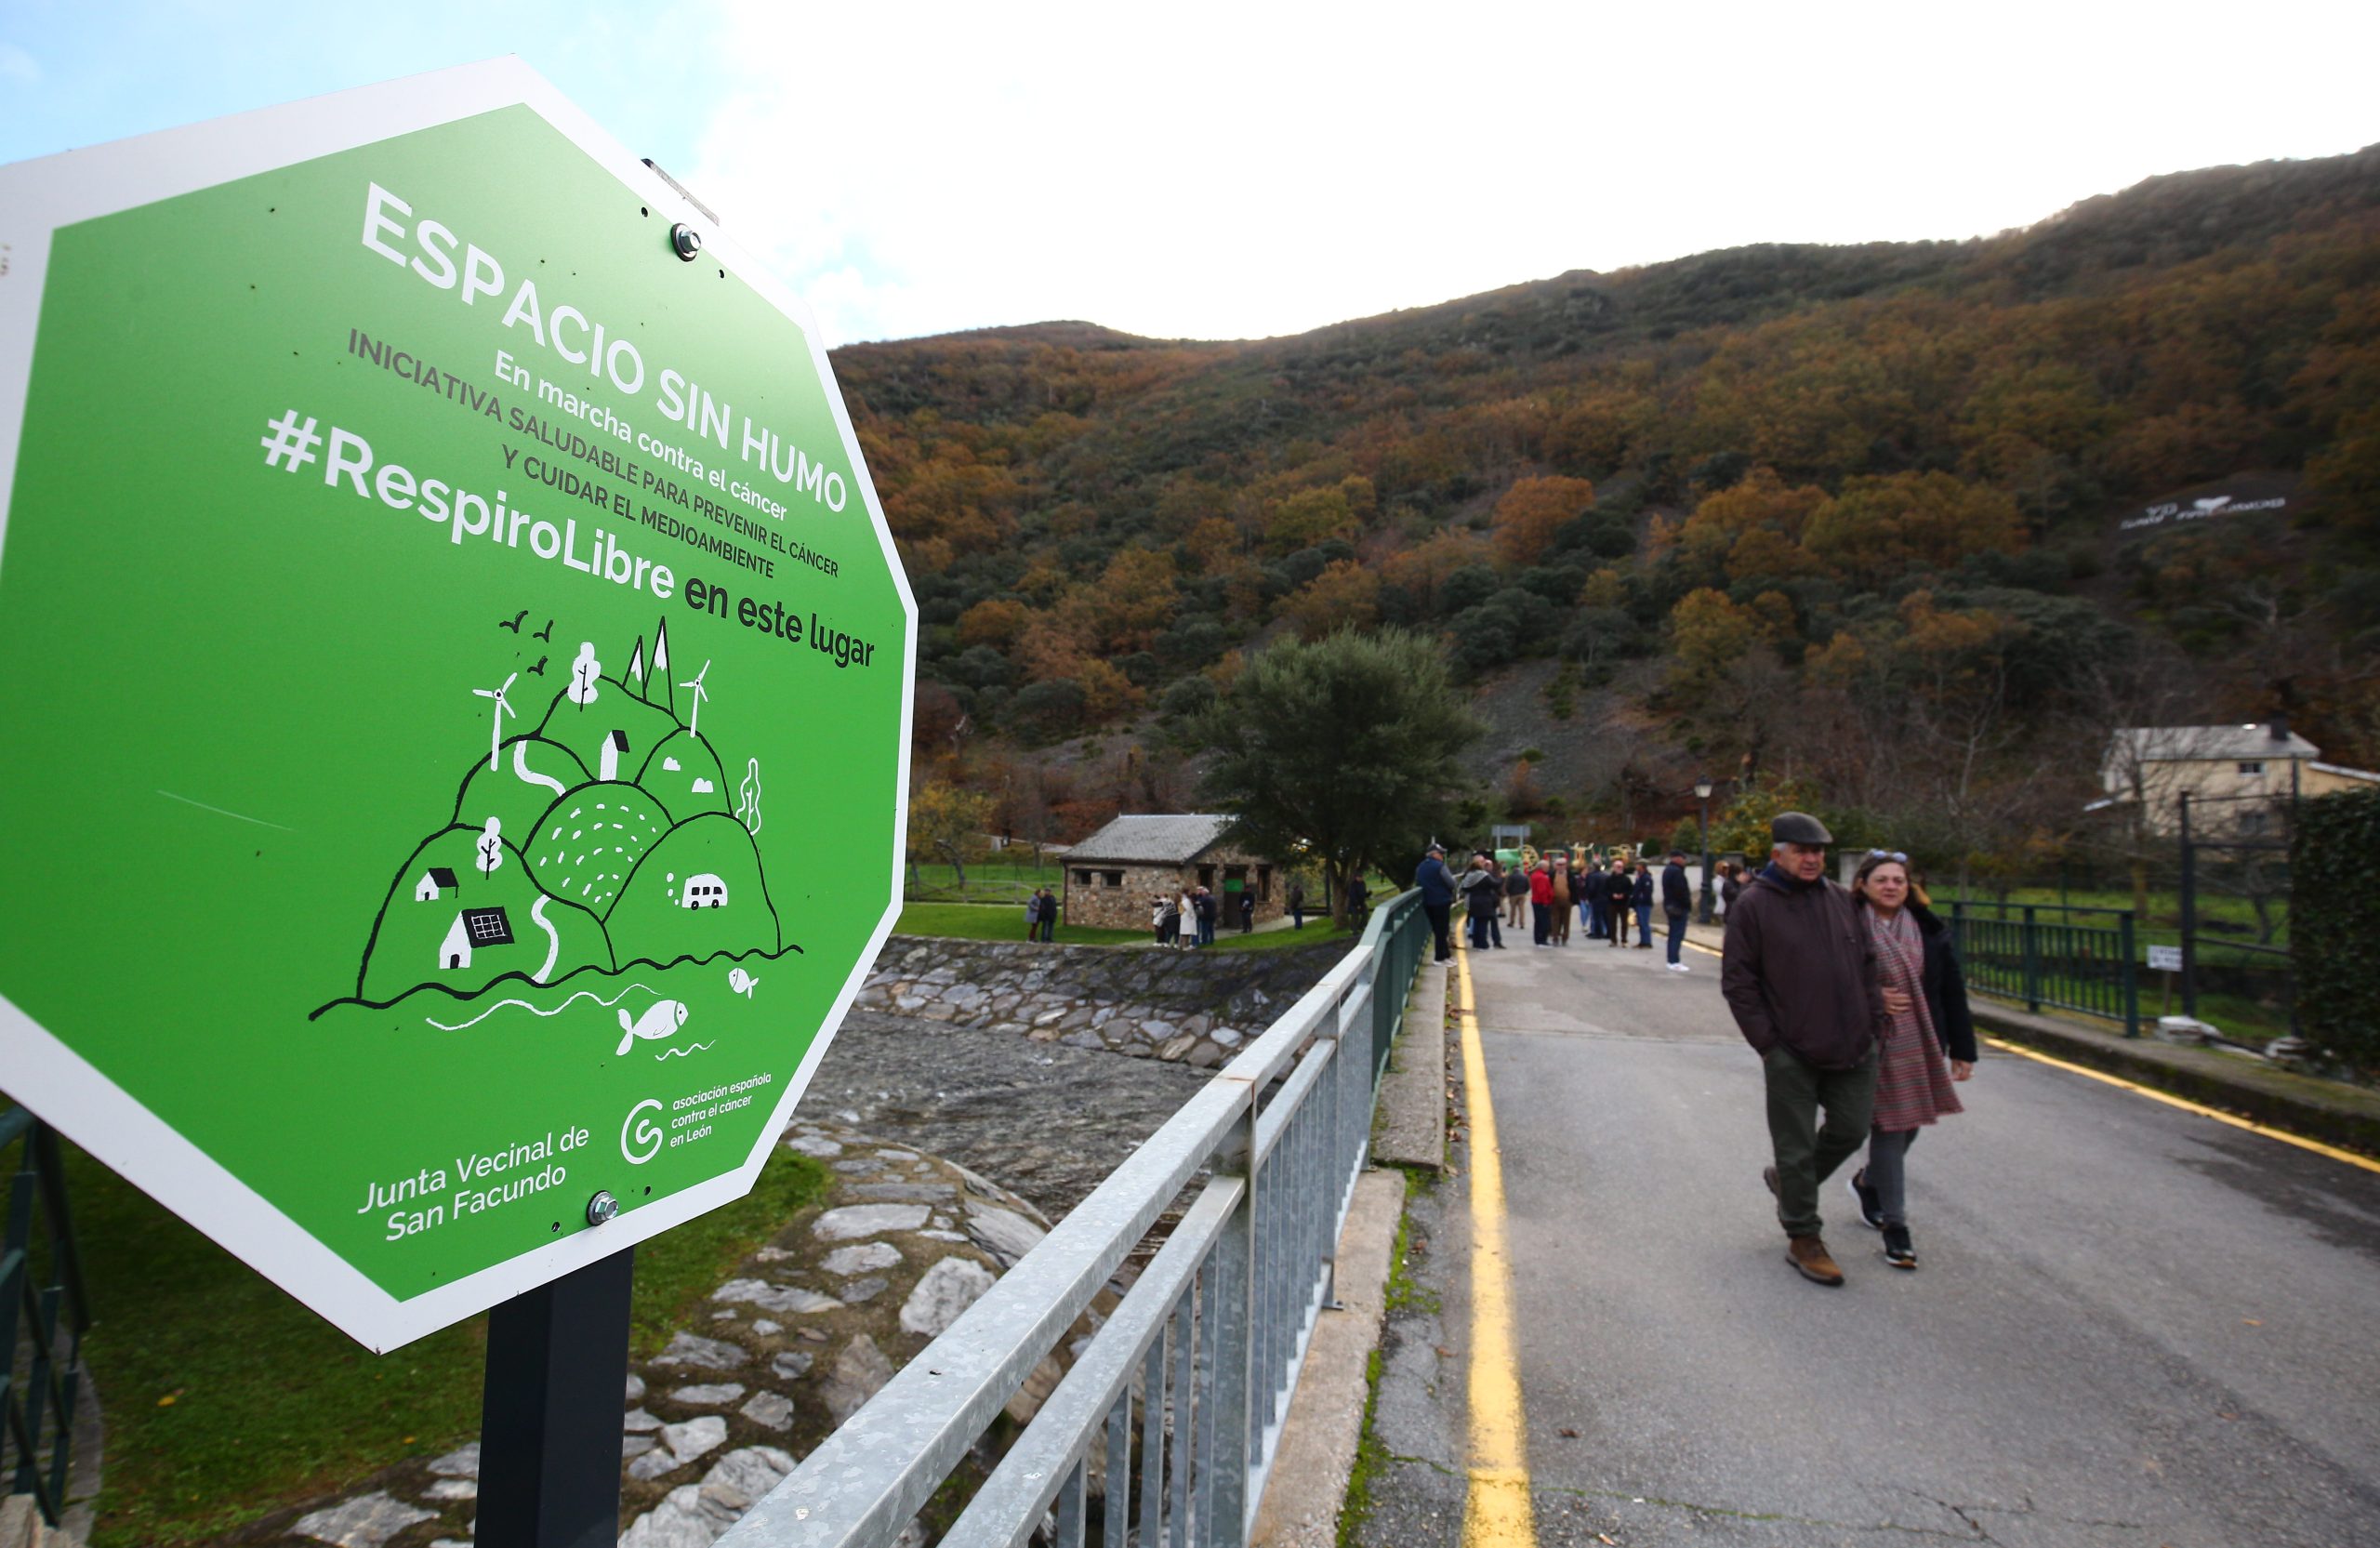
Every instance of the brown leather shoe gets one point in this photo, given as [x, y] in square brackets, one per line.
[1769, 1175]
[1808, 1255]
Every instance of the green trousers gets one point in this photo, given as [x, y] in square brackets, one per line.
[1807, 1152]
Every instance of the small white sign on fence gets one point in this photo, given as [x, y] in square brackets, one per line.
[2165, 959]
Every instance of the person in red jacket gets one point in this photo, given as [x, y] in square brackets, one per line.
[1541, 900]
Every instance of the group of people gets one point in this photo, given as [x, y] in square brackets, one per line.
[1854, 1001]
[1187, 918]
[1492, 896]
[1041, 915]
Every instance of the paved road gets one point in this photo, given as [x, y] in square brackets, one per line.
[2133, 1326]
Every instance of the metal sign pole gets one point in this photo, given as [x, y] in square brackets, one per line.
[2189, 914]
[549, 1419]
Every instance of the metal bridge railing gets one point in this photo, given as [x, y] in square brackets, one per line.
[2049, 953]
[1174, 1407]
[43, 1318]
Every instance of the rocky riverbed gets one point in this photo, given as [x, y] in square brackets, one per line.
[1182, 1007]
[1043, 1118]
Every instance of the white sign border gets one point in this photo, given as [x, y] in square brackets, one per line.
[38, 197]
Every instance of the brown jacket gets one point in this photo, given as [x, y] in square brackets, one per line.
[1798, 971]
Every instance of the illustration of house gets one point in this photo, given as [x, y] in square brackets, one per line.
[473, 927]
[436, 883]
[615, 744]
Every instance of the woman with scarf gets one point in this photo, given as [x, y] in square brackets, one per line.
[1925, 1005]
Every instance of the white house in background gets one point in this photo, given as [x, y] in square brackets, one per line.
[2234, 775]
[436, 883]
[615, 744]
[473, 927]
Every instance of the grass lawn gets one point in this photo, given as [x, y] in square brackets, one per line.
[2221, 917]
[1316, 931]
[226, 1400]
[976, 921]
[989, 881]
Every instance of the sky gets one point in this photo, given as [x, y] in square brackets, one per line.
[1229, 171]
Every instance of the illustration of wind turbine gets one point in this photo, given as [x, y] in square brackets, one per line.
[695, 720]
[503, 707]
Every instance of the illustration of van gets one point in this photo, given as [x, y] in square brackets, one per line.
[706, 891]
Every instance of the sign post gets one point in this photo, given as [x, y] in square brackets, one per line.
[458, 682]
[549, 1416]
[2165, 959]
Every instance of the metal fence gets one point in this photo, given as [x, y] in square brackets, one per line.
[2235, 883]
[2046, 954]
[43, 1318]
[1164, 1430]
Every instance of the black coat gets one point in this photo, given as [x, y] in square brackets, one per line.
[1945, 986]
[1640, 892]
[1677, 897]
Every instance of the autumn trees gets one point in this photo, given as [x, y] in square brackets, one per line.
[1532, 510]
[1715, 489]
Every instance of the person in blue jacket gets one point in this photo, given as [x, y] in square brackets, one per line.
[1437, 898]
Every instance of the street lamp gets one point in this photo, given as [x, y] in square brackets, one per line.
[1702, 793]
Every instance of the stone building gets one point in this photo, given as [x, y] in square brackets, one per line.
[1113, 875]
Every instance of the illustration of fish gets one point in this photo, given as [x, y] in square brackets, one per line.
[741, 982]
[662, 1021]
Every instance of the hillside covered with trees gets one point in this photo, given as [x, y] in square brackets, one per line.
[1856, 515]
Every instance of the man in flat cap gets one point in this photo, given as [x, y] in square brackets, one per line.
[1801, 979]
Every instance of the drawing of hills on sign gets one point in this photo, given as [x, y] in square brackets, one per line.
[597, 838]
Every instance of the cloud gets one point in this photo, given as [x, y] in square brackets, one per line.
[1242, 170]
[19, 66]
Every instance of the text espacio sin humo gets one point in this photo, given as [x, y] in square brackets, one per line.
[605, 357]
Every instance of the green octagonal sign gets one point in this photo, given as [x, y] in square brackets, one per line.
[456, 681]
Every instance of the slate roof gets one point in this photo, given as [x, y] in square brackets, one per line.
[2183, 743]
[1153, 841]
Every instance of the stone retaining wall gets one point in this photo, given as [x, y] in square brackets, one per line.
[1192, 1007]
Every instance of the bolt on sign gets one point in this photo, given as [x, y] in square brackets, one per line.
[457, 690]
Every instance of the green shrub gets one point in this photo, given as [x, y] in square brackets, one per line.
[2334, 938]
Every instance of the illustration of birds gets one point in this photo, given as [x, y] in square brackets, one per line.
[515, 624]
[546, 633]
[539, 669]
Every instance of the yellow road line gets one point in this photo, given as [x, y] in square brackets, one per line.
[2317, 1146]
[1496, 1512]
